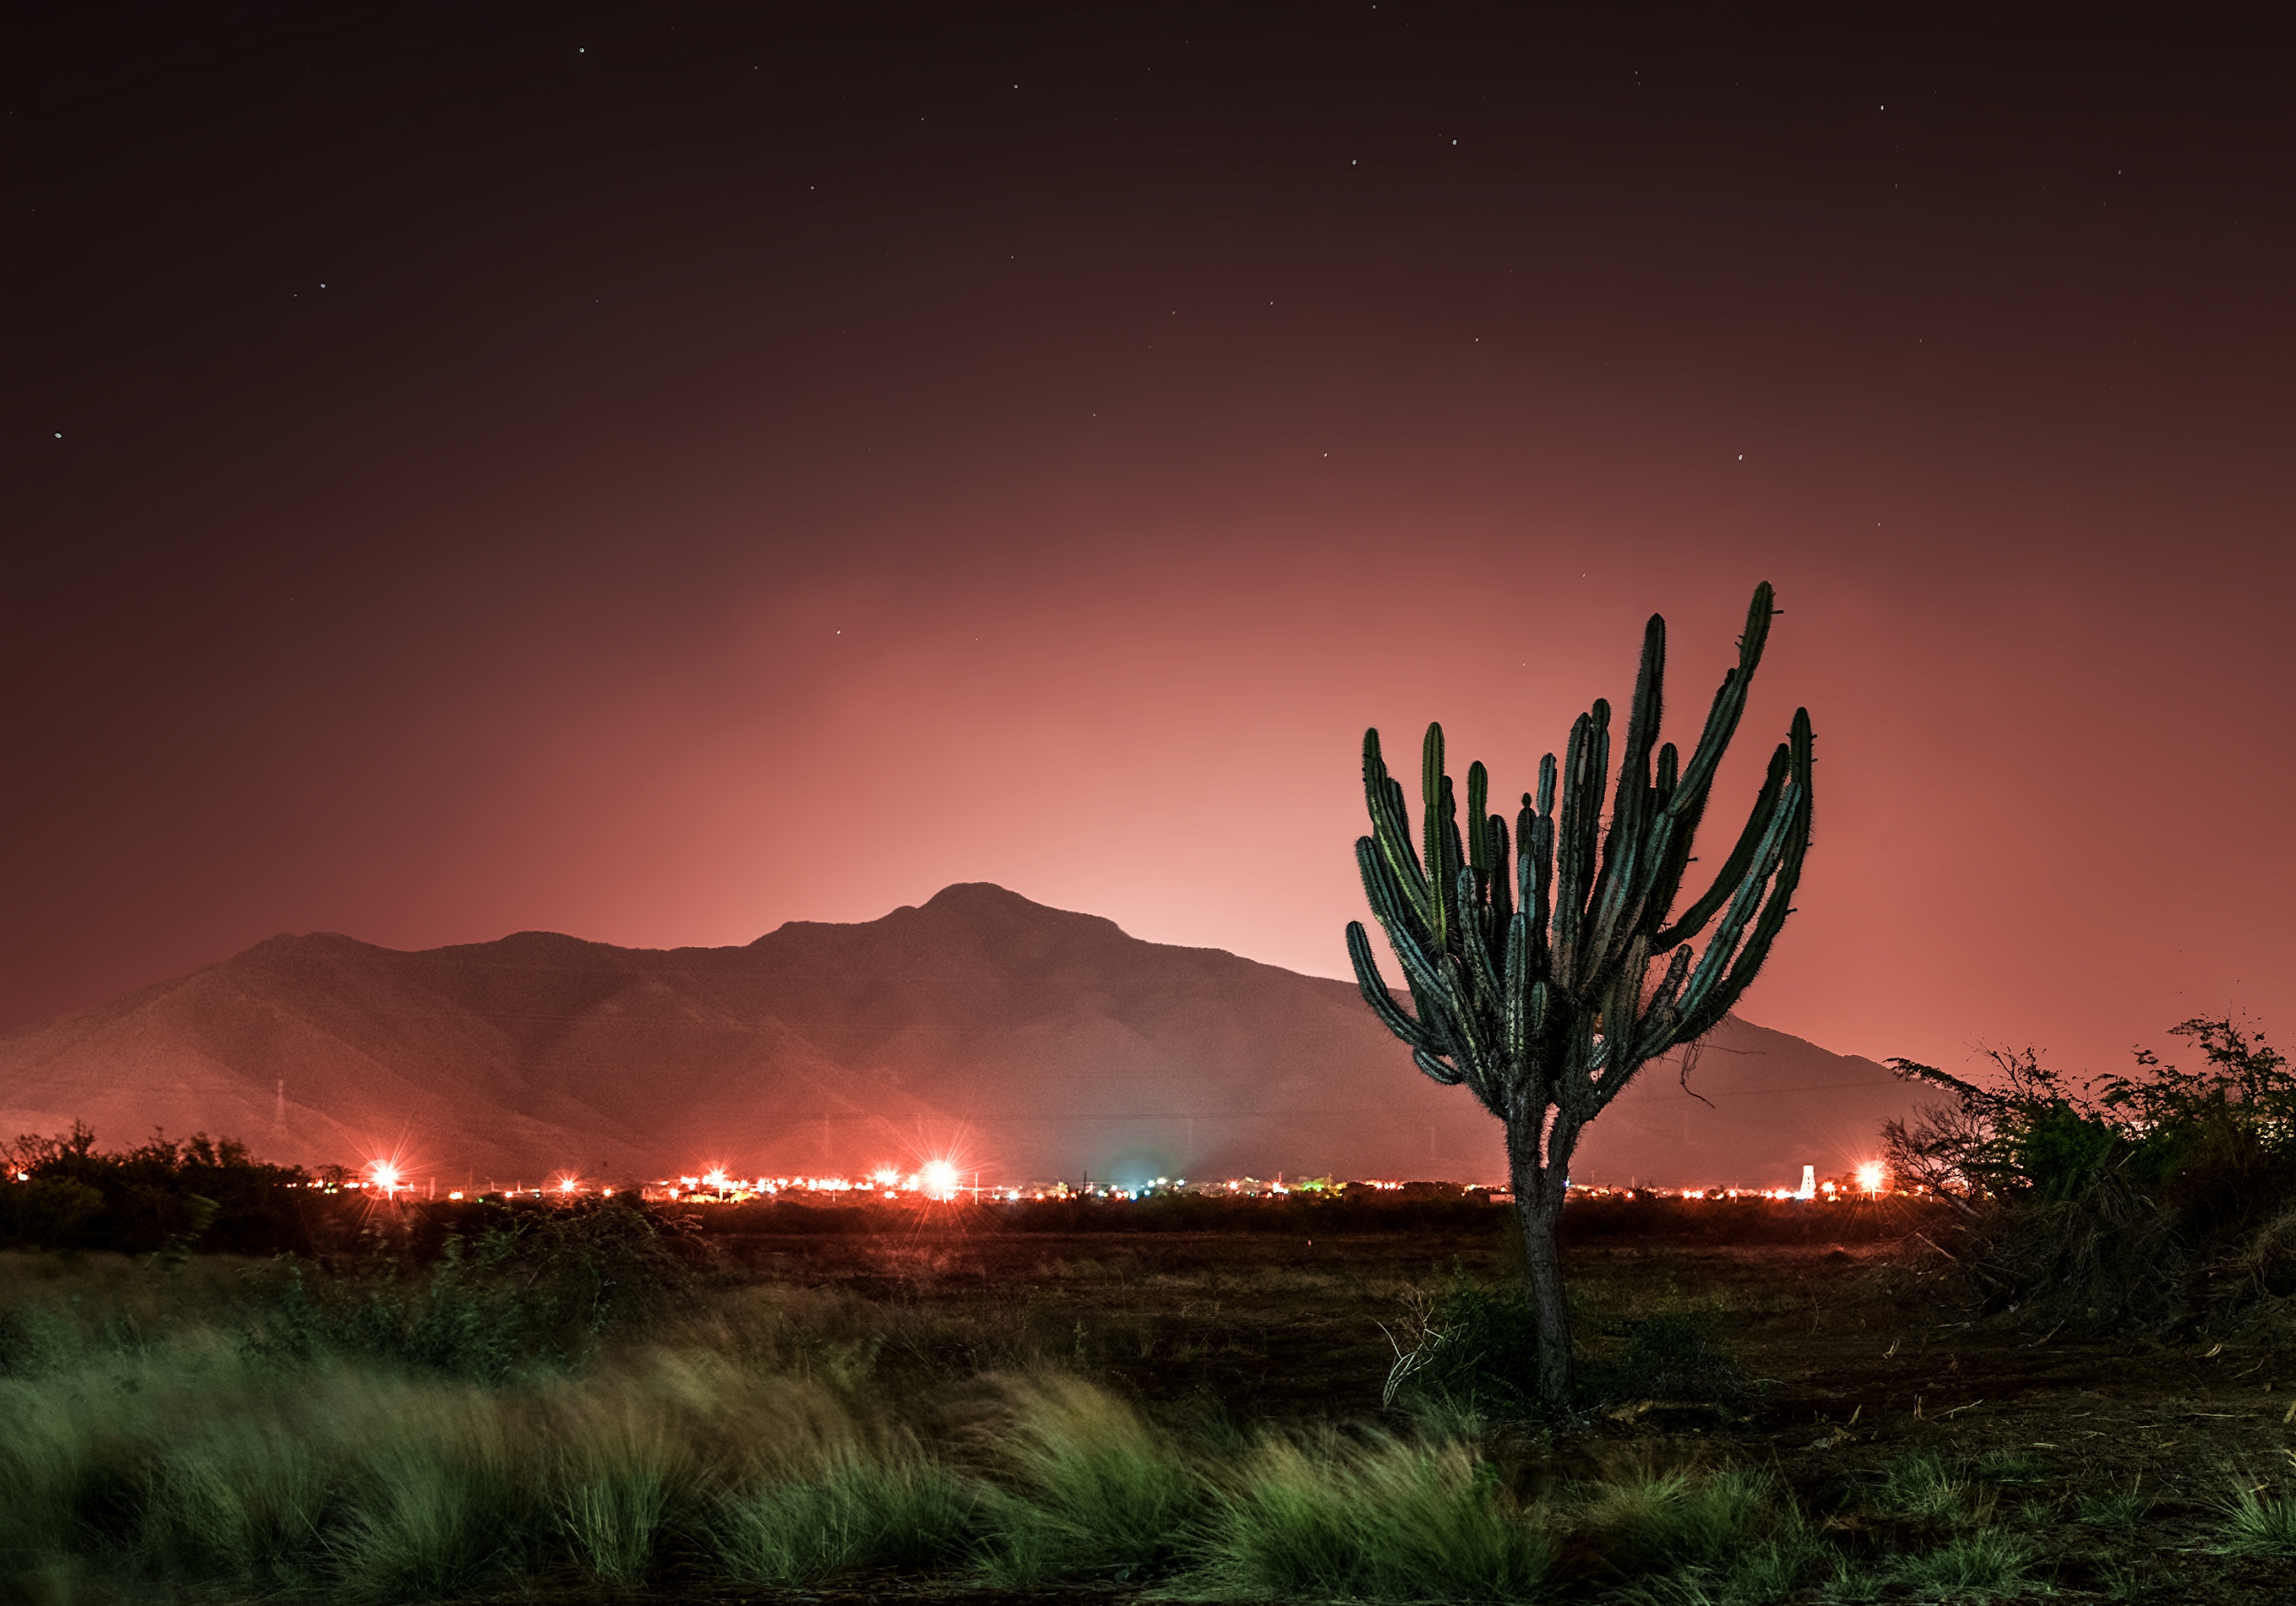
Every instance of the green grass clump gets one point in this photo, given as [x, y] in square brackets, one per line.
[613, 1522]
[1099, 1492]
[424, 1519]
[2252, 1524]
[1919, 1485]
[1987, 1562]
[1727, 1537]
[2115, 1508]
[1388, 1522]
[863, 1514]
[239, 1500]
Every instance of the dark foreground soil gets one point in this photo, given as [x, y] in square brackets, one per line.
[1853, 1355]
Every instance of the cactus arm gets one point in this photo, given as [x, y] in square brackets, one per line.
[1454, 861]
[1375, 993]
[1514, 998]
[1722, 947]
[1741, 856]
[1662, 1020]
[1390, 826]
[1433, 783]
[1502, 875]
[1616, 886]
[1539, 843]
[1622, 1018]
[1482, 973]
[1380, 890]
[1747, 962]
[1479, 844]
[1729, 702]
[1585, 775]
[1435, 1068]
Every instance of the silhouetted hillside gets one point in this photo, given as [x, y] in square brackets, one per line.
[1029, 1041]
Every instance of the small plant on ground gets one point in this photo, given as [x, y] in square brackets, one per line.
[1727, 1537]
[2253, 1523]
[1919, 1485]
[2115, 1508]
[1987, 1562]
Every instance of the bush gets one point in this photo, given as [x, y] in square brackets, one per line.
[63, 1193]
[528, 1291]
[2123, 1201]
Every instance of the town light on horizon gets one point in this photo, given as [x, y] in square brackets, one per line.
[938, 1178]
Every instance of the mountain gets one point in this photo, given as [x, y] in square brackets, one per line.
[1029, 1043]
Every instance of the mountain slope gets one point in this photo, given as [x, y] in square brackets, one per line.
[1024, 1040]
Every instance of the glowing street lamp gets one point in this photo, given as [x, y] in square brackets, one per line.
[1870, 1176]
[385, 1175]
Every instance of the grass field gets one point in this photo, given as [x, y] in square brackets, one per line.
[945, 1406]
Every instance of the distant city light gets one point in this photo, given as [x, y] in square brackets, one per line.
[1871, 1176]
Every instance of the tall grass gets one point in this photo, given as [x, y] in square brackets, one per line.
[151, 1449]
[1093, 1490]
[1331, 1519]
[907, 1514]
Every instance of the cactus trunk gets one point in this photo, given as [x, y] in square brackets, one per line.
[1531, 982]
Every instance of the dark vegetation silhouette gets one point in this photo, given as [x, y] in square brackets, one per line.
[1528, 973]
[2161, 1198]
[160, 1195]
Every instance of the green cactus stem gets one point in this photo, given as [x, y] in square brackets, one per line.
[1530, 977]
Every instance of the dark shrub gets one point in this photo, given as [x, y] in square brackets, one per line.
[2126, 1201]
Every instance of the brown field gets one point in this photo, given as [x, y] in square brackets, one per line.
[1855, 1343]
[1860, 1346]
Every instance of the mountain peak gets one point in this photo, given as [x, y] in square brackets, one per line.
[1030, 1040]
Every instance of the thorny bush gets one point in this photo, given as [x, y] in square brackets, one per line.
[2163, 1198]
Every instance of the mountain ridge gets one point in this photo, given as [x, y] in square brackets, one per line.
[1026, 1040]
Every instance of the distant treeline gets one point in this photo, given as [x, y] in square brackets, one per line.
[1432, 1208]
[159, 1196]
[210, 1196]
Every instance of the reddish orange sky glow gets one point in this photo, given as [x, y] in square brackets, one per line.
[656, 481]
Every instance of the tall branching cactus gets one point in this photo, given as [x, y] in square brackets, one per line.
[1528, 959]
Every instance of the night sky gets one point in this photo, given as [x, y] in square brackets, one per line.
[653, 472]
